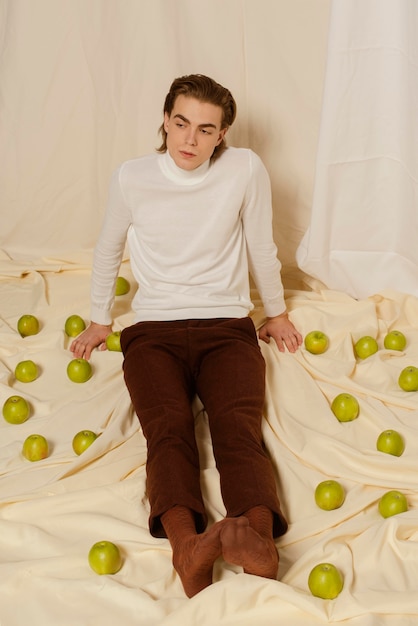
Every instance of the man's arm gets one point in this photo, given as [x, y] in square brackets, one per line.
[106, 262]
[265, 267]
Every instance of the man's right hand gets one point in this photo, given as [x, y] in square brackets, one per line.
[93, 337]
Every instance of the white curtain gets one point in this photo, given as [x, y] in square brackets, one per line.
[363, 233]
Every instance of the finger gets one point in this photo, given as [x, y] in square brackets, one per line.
[87, 352]
[293, 343]
[291, 346]
[78, 349]
[280, 344]
[264, 336]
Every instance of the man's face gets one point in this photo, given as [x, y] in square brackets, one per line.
[193, 131]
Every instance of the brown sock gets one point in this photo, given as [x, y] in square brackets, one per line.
[193, 554]
[249, 543]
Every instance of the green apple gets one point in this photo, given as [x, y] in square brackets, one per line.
[365, 347]
[408, 378]
[392, 503]
[329, 495]
[74, 325]
[83, 440]
[316, 342]
[104, 558]
[390, 442]
[325, 581]
[79, 370]
[28, 325]
[26, 371]
[113, 341]
[395, 340]
[122, 286]
[345, 407]
[35, 448]
[16, 410]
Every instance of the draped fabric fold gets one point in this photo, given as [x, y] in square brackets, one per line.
[364, 221]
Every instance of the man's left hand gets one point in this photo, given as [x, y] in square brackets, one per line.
[283, 332]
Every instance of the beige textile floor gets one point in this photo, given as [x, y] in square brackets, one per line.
[52, 511]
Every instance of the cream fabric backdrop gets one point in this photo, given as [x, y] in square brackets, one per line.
[82, 88]
[82, 84]
[364, 224]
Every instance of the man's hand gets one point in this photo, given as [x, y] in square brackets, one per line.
[282, 331]
[94, 336]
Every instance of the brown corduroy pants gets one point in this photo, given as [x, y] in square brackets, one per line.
[165, 365]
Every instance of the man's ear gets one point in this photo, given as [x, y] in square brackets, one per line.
[222, 135]
[166, 120]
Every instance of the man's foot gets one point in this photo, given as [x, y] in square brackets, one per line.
[194, 558]
[243, 546]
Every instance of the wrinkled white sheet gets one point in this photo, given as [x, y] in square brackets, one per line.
[364, 219]
[52, 511]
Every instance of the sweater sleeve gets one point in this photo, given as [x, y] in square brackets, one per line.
[257, 217]
[108, 252]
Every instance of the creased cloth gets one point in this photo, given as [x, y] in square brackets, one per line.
[364, 220]
[52, 511]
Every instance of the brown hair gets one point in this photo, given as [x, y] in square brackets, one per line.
[204, 89]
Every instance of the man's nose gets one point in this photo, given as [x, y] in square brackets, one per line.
[191, 136]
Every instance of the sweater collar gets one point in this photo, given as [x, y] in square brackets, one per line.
[180, 176]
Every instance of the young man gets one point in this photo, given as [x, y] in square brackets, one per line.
[197, 216]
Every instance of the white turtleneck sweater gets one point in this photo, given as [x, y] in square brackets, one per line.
[193, 236]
